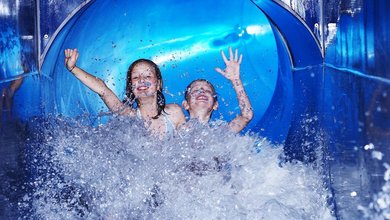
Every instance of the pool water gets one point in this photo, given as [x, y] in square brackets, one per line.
[118, 171]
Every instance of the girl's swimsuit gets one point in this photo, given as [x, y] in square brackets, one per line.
[169, 126]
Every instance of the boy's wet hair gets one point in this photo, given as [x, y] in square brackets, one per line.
[187, 92]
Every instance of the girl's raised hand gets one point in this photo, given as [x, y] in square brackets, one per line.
[71, 57]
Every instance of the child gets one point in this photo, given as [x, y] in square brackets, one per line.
[201, 100]
[143, 86]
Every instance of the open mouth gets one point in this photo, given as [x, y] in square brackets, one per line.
[202, 98]
[141, 88]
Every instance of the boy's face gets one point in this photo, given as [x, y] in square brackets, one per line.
[200, 98]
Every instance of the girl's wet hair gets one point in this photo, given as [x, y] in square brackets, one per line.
[130, 97]
[187, 92]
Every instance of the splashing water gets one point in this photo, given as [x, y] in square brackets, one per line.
[118, 171]
[379, 207]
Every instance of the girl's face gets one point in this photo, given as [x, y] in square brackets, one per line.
[144, 80]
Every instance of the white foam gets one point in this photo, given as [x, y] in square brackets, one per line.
[118, 171]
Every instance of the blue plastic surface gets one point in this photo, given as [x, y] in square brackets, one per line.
[184, 49]
[305, 96]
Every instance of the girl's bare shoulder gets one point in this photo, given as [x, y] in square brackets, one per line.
[172, 108]
[128, 111]
[175, 113]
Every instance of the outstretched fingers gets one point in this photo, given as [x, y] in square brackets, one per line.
[69, 53]
[232, 69]
[76, 55]
[237, 58]
[219, 70]
[67, 56]
[231, 57]
[224, 57]
[71, 57]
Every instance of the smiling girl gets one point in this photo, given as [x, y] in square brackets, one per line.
[143, 86]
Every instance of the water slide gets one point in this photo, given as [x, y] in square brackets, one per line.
[299, 91]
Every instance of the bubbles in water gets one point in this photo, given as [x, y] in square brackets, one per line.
[379, 207]
[369, 146]
[377, 155]
[118, 171]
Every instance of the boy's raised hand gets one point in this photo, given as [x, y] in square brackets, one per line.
[232, 70]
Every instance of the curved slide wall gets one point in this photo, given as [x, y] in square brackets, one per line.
[296, 96]
[186, 46]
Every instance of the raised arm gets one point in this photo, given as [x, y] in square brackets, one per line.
[232, 73]
[94, 83]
